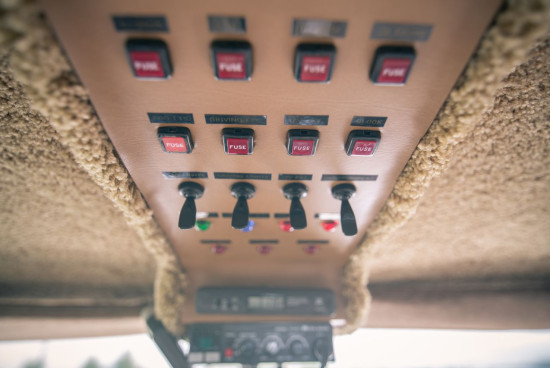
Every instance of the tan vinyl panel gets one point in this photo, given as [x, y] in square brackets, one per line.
[122, 102]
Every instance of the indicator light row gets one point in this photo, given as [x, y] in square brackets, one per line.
[240, 141]
[285, 225]
[232, 60]
[263, 249]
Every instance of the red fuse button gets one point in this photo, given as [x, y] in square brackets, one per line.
[231, 65]
[394, 71]
[302, 142]
[302, 147]
[315, 68]
[149, 58]
[237, 146]
[232, 60]
[363, 148]
[314, 62]
[362, 142]
[238, 141]
[174, 144]
[392, 64]
[175, 139]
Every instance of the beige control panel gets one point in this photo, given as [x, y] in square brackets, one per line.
[324, 94]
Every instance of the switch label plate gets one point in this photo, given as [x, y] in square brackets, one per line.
[401, 32]
[235, 119]
[140, 23]
[170, 118]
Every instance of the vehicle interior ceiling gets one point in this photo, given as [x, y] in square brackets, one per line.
[119, 193]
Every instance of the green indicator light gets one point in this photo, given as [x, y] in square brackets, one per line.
[205, 343]
[202, 225]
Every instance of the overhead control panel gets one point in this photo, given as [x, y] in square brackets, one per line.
[253, 343]
[266, 136]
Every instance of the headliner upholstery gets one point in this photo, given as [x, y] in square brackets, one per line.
[72, 223]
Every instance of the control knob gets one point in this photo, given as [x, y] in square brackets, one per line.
[298, 348]
[272, 347]
[246, 349]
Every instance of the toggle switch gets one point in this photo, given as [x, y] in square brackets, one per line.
[344, 192]
[392, 64]
[302, 142]
[295, 191]
[243, 191]
[362, 142]
[175, 139]
[314, 62]
[149, 58]
[188, 215]
[238, 141]
[232, 60]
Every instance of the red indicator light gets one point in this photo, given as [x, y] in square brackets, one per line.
[218, 249]
[311, 249]
[228, 353]
[264, 249]
[285, 226]
[329, 225]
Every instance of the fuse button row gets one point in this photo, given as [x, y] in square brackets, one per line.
[232, 60]
[240, 141]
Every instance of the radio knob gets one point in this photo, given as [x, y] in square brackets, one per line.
[297, 348]
[272, 347]
[247, 348]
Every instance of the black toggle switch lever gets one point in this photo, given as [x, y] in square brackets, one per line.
[295, 191]
[242, 191]
[344, 192]
[188, 215]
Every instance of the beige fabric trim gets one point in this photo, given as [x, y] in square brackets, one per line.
[55, 91]
[38, 62]
[504, 46]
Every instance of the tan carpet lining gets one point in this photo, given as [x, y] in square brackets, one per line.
[56, 93]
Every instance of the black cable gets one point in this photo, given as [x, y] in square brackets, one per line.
[324, 359]
[167, 343]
